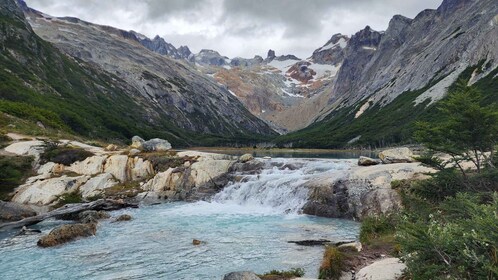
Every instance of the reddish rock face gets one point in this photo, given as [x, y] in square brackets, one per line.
[301, 72]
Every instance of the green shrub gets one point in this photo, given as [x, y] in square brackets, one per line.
[282, 274]
[459, 241]
[64, 155]
[67, 198]
[377, 227]
[13, 171]
[333, 263]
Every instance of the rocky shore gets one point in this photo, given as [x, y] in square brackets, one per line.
[151, 172]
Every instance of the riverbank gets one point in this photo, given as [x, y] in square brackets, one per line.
[285, 187]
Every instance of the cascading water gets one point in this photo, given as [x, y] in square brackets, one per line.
[245, 227]
[279, 187]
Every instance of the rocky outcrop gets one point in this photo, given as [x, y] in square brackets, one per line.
[156, 145]
[97, 185]
[333, 51]
[45, 192]
[359, 192]
[366, 161]
[67, 233]
[385, 269]
[92, 216]
[241, 275]
[245, 158]
[11, 211]
[123, 218]
[202, 178]
[397, 155]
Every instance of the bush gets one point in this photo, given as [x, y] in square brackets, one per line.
[13, 171]
[459, 241]
[64, 155]
[68, 198]
[282, 274]
[377, 227]
[333, 263]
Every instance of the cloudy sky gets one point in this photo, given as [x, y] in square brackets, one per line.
[239, 27]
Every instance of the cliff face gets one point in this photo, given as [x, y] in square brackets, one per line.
[436, 44]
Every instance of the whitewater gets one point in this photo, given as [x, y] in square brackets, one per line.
[246, 226]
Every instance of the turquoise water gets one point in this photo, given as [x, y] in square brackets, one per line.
[246, 227]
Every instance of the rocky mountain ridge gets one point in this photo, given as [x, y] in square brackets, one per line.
[191, 101]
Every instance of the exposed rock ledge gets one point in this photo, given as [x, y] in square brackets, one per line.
[360, 191]
[352, 193]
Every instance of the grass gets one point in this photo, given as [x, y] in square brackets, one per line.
[13, 171]
[282, 274]
[162, 161]
[335, 261]
[68, 198]
[123, 190]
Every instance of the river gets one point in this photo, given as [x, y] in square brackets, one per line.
[246, 226]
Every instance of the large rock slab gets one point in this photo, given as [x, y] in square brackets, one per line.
[45, 192]
[96, 185]
[360, 191]
[366, 161]
[396, 155]
[27, 148]
[385, 269]
[90, 166]
[117, 166]
[66, 233]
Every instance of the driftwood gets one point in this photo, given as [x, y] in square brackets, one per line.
[69, 209]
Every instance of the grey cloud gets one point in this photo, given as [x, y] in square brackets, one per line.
[240, 27]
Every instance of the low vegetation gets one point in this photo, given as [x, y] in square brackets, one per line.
[282, 274]
[449, 227]
[14, 170]
[61, 154]
[68, 198]
[335, 261]
[162, 161]
[123, 190]
[379, 126]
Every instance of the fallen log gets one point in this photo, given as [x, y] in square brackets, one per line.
[69, 209]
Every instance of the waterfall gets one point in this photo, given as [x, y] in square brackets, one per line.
[279, 188]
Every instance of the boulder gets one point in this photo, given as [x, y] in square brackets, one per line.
[11, 211]
[379, 201]
[156, 145]
[96, 185]
[92, 216]
[133, 152]
[366, 161]
[360, 191]
[245, 158]
[123, 218]
[90, 166]
[117, 166]
[137, 142]
[44, 192]
[66, 233]
[396, 155]
[241, 275]
[210, 172]
[140, 169]
[111, 148]
[385, 269]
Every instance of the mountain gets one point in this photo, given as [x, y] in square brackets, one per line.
[388, 80]
[109, 75]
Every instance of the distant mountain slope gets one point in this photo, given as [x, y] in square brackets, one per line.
[103, 100]
[390, 79]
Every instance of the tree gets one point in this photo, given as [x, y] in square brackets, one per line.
[467, 131]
